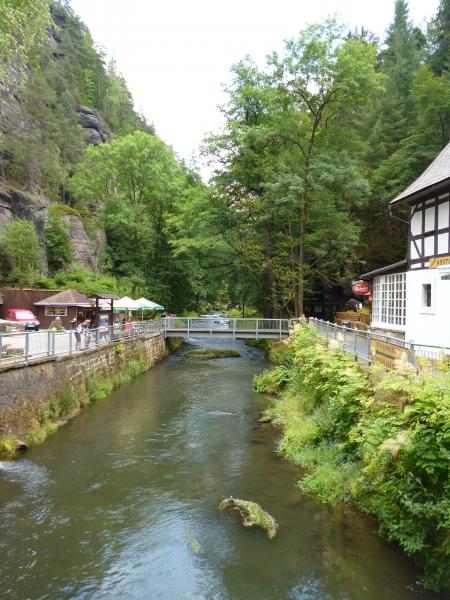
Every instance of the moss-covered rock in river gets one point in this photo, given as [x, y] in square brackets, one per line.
[210, 353]
[251, 514]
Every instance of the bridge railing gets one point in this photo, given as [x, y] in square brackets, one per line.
[233, 326]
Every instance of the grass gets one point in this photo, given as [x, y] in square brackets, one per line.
[210, 353]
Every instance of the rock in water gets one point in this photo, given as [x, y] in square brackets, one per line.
[251, 514]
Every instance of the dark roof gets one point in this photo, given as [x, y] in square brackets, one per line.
[394, 268]
[106, 296]
[65, 298]
[437, 173]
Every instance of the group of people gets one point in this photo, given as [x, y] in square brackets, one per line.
[83, 327]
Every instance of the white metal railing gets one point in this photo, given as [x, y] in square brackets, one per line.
[17, 348]
[235, 327]
[360, 342]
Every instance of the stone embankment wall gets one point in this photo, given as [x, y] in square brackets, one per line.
[25, 391]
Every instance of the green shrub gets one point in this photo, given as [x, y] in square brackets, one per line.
[67, 401]
[271, 381]
[380, 440]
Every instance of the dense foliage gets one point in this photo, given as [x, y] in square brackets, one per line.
[157, 217]
[318, 142]
[315, 145]
[380, 440]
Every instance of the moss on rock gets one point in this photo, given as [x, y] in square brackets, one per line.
[251, 514]
[210, 353]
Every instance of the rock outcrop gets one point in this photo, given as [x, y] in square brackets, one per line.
[16, 204]
[86, 252]
[96, 131]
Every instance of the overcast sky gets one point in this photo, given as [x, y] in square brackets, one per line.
[176, 54]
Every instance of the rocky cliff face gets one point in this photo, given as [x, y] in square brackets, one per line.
[87, 252]
[96, 130]
[20, 204]
[16, 204]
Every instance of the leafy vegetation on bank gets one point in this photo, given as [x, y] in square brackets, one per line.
[378, 439]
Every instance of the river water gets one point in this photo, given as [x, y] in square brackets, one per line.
[122, 503]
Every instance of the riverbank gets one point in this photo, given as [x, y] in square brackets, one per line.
[377, 439]
[37, 399]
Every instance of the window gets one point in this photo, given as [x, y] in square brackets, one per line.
[56, 311]
[426, 295]
[389, 300]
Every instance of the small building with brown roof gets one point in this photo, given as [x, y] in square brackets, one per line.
[67, 305]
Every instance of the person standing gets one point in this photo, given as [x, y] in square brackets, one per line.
[78, 332]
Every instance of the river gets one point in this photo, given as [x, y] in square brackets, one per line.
[122, 503]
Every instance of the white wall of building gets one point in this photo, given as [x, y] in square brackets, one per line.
[427, 325]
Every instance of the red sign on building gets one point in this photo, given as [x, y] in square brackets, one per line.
[361, 289]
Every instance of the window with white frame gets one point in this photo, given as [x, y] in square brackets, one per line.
[56, 311]
[389, 300]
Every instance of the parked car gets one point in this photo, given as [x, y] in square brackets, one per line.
[23, 317]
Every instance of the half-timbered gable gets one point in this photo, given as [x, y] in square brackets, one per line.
[429, 232]
[429, 213]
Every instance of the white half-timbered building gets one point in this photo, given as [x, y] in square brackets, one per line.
[412, 298]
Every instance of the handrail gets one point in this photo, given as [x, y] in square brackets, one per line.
[21, 347]
[360, 343]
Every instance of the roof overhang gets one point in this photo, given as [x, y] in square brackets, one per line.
[431, 190]
[68, 304]
[397, 267]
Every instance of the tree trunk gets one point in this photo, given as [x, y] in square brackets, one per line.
[304, 212]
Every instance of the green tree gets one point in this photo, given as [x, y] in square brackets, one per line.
[439, 39]
[20, 245]
[23, 27]
[136, 185]
[287, 130]
[389, 121]
[59, 247]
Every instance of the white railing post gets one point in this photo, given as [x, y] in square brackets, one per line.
[1, 346]
[49, 334]
[257, 323]
[279, 326]
[355, 343]
[188, 326]
[369, 347]
[27, 344]
[70, 341]
[234, 329]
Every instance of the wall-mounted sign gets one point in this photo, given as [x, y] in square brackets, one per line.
[361, 289]
[439, 261]
[387, 354]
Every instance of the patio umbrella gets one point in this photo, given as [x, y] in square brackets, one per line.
[149, 305]
[126, 303]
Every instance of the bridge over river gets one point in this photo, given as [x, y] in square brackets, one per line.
[220, 327]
